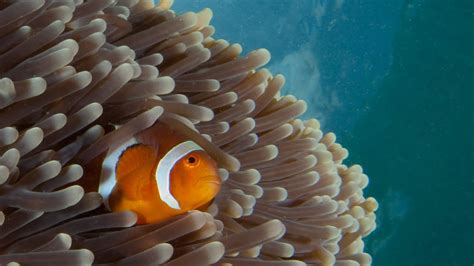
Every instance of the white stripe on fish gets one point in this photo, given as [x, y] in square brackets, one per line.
[165, 166]
[108, 178]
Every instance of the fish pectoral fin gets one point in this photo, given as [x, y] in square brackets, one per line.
[122, 199]
[135, 157]
[134, 169]
[131, 185]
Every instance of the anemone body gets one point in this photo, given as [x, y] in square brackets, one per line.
[70, 69]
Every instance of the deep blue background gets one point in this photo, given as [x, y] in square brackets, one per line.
[394, 80]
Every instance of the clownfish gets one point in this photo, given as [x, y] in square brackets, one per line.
[157, 174]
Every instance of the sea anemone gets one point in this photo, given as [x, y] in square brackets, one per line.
[70, 69]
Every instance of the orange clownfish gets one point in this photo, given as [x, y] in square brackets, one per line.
[158, 174]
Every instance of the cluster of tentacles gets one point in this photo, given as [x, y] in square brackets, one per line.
[69, 69]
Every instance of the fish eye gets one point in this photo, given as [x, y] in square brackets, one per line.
[191, 160]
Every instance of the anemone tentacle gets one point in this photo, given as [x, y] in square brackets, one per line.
[70, 69]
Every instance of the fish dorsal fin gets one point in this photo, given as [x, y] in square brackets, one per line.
[137, 156]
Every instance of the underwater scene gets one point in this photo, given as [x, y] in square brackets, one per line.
[236, 132]
[395, 81]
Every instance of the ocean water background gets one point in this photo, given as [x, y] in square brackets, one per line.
[395, 81]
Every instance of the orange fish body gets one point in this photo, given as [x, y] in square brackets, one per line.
[157, 174]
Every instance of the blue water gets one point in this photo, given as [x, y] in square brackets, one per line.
[395, 81]
[332, 53]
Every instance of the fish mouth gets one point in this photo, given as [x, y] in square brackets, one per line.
[209, 180]
[218, 183]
